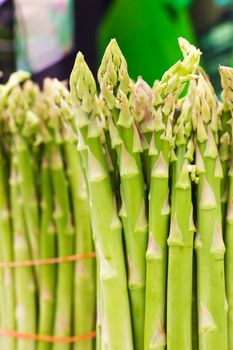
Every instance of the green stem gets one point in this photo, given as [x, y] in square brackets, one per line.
[47, 250]
[24, 278]
[28, 190]
[229, 258]
[65, 231]
[107, 230]
[180, 257]
[6, 254]
[156, 255]
[99, 306]
[210, 260]
[133, 197]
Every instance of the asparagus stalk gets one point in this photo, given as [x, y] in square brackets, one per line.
[229, 257]
[115, 89]
[47, 250]
[6, 255]
[27, 188]
[116, 325]
[65, 230]
[24, 279]
[156, 255]
[21, 124]
[180, 240]
[210, 249]
[227, 97]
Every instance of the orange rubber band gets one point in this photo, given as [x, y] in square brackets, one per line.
[50, 261]
[47, 338]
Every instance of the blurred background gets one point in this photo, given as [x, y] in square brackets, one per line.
[44, 36]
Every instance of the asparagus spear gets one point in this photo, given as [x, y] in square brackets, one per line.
[27, 188]
[24, 279]
[6, 254]
[21, 124]
[65, 230]
[115, 89]
[180, 240]
[212, 308]
[229, 256]
[47, 250]
[116, 323]
[227, 97]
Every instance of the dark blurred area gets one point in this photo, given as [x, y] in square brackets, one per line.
[45, 40]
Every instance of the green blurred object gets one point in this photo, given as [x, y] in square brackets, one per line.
[223, 2]
[147, 32]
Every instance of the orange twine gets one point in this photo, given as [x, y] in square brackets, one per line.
[47, 338]
[58, 260]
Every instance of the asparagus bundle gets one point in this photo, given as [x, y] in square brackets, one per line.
[150, 141]
[44, 215]
[132, 171]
